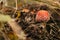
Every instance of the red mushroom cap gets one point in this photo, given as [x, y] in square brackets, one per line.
[43, 16]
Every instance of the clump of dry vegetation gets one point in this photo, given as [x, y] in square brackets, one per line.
[22, 24]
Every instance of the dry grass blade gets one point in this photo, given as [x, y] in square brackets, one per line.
[17, 30]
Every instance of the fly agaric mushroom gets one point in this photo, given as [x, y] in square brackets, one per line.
[42, 16]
